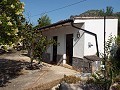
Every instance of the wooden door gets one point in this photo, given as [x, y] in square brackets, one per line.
[69, 48]
[55, 50]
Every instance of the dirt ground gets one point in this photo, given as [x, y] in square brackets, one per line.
[18, 78]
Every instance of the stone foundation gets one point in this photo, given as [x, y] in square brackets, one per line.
[82, 65]
[46, 57]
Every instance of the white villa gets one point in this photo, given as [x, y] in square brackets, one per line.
[77, 45]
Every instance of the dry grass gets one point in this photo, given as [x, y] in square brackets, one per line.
[23, 71]
[46, 86]
[68, 66]
[71, 79]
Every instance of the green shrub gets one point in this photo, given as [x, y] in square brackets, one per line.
[117, 79]
[90, 81]
[71, 79]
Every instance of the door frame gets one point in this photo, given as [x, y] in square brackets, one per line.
[69, 48]
[54, 56]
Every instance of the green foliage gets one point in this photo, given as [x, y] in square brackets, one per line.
[98, 80]
[112, 59]
[111, 74]
[117, 41]
[98, 77]
[117, 79]
[71, 79]
[43, 21]
[11, 19]
[109, 11]
[93, 13]
[101, 13]
[41, 46]
[90, 81]
[108, 46]
[35, 42]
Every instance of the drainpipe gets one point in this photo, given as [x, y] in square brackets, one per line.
[91, 33]
[72, 23]
[104, 37]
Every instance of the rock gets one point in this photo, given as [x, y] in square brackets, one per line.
[112, 87]
[64, 86]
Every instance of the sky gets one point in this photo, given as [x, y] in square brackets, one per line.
[34, 9]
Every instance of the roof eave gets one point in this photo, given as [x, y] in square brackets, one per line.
[56, 24]
[97, 17]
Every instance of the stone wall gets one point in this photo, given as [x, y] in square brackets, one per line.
[77, 63]
[82, 65]
[46, 57]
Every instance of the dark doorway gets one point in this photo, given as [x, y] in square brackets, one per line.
[55, 50]
[69, 48]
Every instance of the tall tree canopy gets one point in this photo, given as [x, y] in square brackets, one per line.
[11, 19]
[109, 11]
[43, 21]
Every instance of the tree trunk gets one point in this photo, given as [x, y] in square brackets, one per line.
[31, 55]
[31, 63]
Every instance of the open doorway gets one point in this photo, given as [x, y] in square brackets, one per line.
[55, 50]
[69, 48]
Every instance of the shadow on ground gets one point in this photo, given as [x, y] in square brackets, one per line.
[10, 69]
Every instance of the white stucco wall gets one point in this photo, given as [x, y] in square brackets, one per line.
[78, 43]
[97, 26]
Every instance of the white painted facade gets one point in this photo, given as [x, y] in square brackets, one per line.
[61, 32]
[80, 45]
[97, 26]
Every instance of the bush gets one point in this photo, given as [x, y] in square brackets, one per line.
[71, 79]
[117, 79]
[90, 81]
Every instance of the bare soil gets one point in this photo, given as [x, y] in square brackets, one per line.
[16, 77]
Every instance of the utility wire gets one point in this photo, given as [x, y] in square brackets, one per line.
[60, 8]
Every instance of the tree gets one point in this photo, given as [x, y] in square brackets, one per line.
[27, 36]
[109, 11]
[43, 21]
[112, 63]
[34, 41]
[115, 56]
[11, 19]
[111, 72]
[91, 13]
